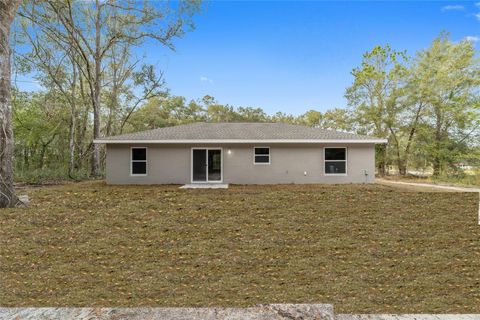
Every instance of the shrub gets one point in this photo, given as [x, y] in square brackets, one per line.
[48, 175]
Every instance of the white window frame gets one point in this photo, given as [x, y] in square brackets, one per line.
[325, 161]
[132, 161]
[262, 163]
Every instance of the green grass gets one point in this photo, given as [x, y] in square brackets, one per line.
[469, 180]
[364, 248]
[459, 179]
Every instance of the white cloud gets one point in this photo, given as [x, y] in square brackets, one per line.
[206, 79]
[453, 7]
[477, 16]
[472, 38]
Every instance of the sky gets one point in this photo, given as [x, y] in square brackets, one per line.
[293, 56]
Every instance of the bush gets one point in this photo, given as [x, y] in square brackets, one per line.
[48, 175]
[459, 178]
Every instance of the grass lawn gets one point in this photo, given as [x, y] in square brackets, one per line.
[466, 180]
[364, 248]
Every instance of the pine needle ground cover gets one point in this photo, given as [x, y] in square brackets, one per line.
[364, 248]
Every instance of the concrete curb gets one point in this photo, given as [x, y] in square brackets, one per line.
[408, 317]
[261, 312]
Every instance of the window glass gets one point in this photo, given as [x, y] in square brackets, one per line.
[335, 167]
[139, 167]
[262, 159]
[262, 151]
[139, 154]
[199, 165]
[335, 154]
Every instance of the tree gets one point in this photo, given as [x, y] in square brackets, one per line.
[59, 73]
[312, 118]
[221, 113]
[39, 119]
[160, 112]
[93, 29]
[334, 119]
[151, 87]
[337, 119]
[7, 192]
[250, 114]
[375, 95]
[448, 75]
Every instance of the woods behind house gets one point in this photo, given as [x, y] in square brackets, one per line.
[92, 83]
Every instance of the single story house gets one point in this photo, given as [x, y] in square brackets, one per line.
[239, 153]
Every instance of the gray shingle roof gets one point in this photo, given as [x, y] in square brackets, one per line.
[236, 131]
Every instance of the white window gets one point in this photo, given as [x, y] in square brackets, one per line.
[335, 161]
[261, 155]
[138, 166]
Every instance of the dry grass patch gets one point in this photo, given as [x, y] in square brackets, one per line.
[364, 248]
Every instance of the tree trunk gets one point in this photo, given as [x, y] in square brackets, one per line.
[7, 192]
[402, 168]
[437, 161]
[26, 161]
[71, 143]
[71, 130]
[42, 156]
[81, 125]
[96, 95]
[96, 134]
[381, 163]
[113, 101]
[437, 166]
[401, 163]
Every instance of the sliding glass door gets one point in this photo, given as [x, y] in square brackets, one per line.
[207, 165]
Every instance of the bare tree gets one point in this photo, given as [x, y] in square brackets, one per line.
[7, 193]
[92, 29]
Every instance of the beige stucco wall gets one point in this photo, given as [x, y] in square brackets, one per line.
[289, 164]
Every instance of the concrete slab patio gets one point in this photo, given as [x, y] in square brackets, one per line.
[205, 186]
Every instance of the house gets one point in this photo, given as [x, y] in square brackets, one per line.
[239, 153]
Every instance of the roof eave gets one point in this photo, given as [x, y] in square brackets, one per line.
[219, 141]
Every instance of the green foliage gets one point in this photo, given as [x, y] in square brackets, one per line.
[459, 178]
[39, 124]
[83, 53]
[375, 95]
[49, 175]
[448, 76]
[427, 107]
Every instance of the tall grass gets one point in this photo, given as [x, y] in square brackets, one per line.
[459, 178]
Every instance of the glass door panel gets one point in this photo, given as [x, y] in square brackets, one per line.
[214, 165]
[199, 165]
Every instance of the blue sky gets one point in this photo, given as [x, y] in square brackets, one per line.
[292, 56]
